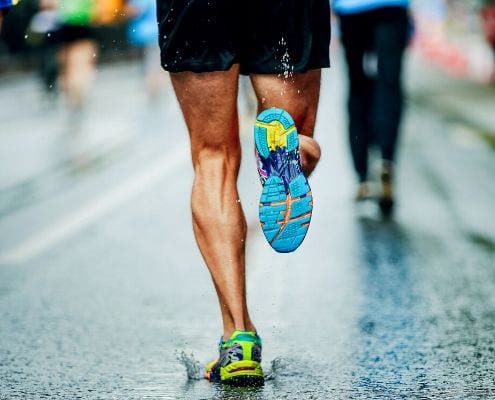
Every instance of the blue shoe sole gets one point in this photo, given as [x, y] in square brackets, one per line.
[286, 202]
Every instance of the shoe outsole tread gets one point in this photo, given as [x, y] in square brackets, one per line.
[286, 201]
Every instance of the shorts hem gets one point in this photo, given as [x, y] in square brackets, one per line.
[203, 67]
[215, 67]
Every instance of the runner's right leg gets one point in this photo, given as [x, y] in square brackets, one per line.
[283, 130]
[299, 96]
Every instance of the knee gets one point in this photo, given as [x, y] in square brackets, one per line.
[303, 114]
[216, 163]
[301, 109]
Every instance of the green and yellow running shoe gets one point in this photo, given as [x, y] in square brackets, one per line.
[239, 362]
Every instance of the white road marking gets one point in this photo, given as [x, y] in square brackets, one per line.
[73, 223]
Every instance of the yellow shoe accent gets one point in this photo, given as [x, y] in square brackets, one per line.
[209, 369]
[276, 134]
[245, 368]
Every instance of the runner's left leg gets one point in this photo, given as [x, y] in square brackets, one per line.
[209, 104]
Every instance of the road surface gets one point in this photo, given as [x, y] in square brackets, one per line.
[104, 295]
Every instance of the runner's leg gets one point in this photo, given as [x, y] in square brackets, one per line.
[298, 94]
[356, 40]
[390, 38]
[209, 103]
[79, 65]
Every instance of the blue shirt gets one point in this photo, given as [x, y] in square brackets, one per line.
[356, 6]
[7, 3]
[143, 28]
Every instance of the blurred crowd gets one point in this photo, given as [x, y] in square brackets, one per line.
[459, 34]
[66, 38]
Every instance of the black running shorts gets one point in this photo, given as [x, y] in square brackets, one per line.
[72, 33]
[263, 36]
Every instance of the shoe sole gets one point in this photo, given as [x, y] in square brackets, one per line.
[386, 207]
[242, 373]
[286, 201]
[386, 201]
[245, 381]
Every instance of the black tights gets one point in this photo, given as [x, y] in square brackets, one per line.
[375, 100]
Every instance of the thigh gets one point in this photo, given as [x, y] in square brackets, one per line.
[209, 104]
[299, 95]
[80, 55]
[282, 36]
[356, 37]
[391, 28]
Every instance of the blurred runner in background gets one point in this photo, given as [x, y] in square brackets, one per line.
[142, 32]
[38, 37]
[79, 51]
[374, 34]
[76, 36]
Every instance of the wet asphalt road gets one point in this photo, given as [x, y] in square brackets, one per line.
[103, 293]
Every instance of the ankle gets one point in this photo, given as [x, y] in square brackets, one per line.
[227, 333]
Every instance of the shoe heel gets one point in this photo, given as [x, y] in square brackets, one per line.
[242, 373]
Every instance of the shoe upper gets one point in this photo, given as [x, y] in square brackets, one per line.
[241, 346]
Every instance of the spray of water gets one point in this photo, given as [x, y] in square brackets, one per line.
[193, 367]
[276, 366]
[287, 66]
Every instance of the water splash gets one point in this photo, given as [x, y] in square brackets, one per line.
[288, 68]
[194, 368]
[277, 368]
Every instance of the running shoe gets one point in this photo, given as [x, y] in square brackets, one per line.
[286, 201]
[365, 192]
[386, 201]
[239, 362]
